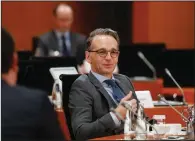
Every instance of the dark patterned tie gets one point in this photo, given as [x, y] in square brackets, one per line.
[117, 93]
[64, 47]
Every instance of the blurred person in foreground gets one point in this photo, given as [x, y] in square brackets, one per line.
[26, 114]
[61, 41]
[92, 95]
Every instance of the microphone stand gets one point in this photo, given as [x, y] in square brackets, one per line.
[190, 130]
[145, 60]
[181, 90]
[128, 107]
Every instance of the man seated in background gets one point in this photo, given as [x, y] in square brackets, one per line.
[92, 95]
[26, 114]
[61, 41]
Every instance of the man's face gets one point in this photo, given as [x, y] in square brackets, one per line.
[64, 19]
[104, 60]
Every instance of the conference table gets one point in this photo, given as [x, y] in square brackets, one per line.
[171, 117]
[170, 114]
[155, 87]
[128, 137]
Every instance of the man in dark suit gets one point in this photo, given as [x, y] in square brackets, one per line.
[61, 41]
[92, 95]
[26, 114]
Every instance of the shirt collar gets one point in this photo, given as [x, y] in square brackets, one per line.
[100, 77]
[59, 34]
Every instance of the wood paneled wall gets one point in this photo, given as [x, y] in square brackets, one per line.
[169, 22]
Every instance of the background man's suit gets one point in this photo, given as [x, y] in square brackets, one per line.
[90, 105]
[27, 114]
[49, 41]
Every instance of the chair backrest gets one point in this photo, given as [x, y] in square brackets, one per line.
[67, 81]
[35, 73]
[24, 55]
[35, 42]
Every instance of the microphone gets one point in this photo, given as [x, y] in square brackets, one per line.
[181, 90]
[164, 100]
[141, 56]
[128, 107]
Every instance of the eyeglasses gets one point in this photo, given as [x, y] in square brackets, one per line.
[103, 53]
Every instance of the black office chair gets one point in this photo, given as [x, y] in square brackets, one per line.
[24, 55]
[35, 41]
[35, 73]
[67, 81]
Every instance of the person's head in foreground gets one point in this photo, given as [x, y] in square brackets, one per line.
[9, 59]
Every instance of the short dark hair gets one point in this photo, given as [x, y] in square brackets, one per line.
[102, 31]
[7, 51]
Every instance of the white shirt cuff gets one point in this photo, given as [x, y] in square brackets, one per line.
[116, 120]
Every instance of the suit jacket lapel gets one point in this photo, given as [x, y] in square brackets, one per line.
[73, 44]
[54, 41]
[101, 89]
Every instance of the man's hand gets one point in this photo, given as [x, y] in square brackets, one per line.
[122, 110]
[133, 104]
